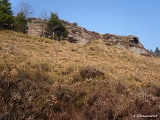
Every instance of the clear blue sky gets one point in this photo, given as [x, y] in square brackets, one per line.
[122, 17]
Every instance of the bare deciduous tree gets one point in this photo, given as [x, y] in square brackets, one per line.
[43, 14]
[26, 8]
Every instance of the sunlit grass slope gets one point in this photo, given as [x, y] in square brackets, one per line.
[55, 76]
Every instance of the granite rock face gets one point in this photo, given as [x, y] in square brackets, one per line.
[36, 27]
[78, 34]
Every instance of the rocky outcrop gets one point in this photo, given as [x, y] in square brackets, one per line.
[131, 43]
[80, 35]
[77, 34]
[36, 27]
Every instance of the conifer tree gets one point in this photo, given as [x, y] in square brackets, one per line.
[56, 29]
[157, 51]
[6, 15]
[20, 22]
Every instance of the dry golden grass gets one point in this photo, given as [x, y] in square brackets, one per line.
[60, 61]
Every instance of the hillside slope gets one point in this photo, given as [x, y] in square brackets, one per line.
[48, 79]
[80, 35]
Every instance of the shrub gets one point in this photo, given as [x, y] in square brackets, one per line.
[24, 97]
[158, 92]
[90, 72]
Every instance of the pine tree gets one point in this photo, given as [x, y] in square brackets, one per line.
[6, 15]
[20, 22]
[157, 51]
[56, 29]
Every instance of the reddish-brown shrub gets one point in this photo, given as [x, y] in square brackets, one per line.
[90, 72]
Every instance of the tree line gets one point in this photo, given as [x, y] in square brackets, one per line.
[18, 22]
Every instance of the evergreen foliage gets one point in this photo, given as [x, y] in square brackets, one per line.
[157, 51]
[55, 27]
[6, 15]
[20, 22]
